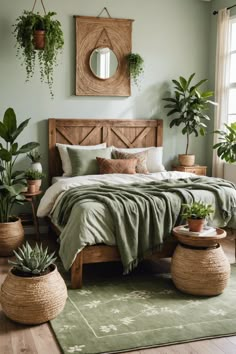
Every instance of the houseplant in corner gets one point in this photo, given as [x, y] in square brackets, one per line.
[135, 66]
[196, 214]
[39, 293]
[226, 147]
[188, 107]
[34, 180]
[50, 47]
[12, 182]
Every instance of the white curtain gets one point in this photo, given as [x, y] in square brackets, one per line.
[221, 83]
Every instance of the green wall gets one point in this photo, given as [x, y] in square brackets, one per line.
[171, 35]
[215, 5]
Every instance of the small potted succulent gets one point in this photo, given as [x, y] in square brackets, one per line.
[34, 180]
[188, 107]
[39, 293]
[28, 28]
[35, 157]
[196, 214]
[135, 66]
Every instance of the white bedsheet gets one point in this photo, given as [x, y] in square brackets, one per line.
[56, 191]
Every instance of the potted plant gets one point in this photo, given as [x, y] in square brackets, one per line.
[12, 181]
[51, 43]
[196, 214]
[226, 148]
[35, 157]
[39, 293]
[188, 107]
[135, 66]
[34, 180]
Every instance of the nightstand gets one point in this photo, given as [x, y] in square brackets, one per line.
[197, 169]
[32, 199]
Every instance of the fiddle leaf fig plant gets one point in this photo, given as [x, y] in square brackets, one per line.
[188, 107]
[135, 66]
[24, 29]
[226, 148]
[12, 182]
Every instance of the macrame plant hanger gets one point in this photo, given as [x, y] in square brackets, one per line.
[35, 1]
[104, 9]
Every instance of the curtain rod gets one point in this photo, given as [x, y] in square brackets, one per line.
[228, 8]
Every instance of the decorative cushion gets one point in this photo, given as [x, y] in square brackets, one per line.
[154, 157]
[107, 166]
[141, 166]
[84, 162]
[65, 160]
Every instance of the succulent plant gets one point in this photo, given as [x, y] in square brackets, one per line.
[34, 174]
[32, 260]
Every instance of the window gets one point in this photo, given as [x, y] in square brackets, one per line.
[232, 73]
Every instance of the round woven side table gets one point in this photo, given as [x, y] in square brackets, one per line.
[199, 265]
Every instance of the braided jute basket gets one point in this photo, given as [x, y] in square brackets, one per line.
[200, 272]
[33, 300]
[11, 237]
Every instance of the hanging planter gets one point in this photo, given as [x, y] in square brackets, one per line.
[135, 66]
[39, 36]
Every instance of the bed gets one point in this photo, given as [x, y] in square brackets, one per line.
[121, 134]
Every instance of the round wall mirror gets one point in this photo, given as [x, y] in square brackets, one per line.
[103, 63]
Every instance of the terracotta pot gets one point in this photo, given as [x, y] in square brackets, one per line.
[11, 237]
[196, 225]
[39, 39]
[33, 300]
[34, 185]
[186, 160]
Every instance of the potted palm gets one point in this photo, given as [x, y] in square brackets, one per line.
[34, 180]
[196, 214]
[12, 182]
[39, 291]
[41, 36]
[188, 107]
[226, 147]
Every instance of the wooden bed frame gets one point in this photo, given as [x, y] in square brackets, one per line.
[120, 133]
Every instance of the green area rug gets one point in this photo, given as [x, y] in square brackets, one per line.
[141, 311]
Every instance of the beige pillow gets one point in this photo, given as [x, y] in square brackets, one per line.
[141, 157]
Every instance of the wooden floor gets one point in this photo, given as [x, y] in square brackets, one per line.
[16, 339]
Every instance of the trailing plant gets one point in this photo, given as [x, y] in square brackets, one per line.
[135, 66]
[34, 156]
[24, 29]
[33, 261]
[189, 106]
[34, 174]
[226, 148]
[196, 210]
[12, 182]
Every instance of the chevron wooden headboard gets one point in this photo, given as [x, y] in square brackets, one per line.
[120, 133]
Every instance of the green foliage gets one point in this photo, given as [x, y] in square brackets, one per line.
[226, 148]
[34, 174]
[32, 260]
[135, 66]
[196, 210]
[12, 183]
[188, 107]
[34, 155]
[24, 34]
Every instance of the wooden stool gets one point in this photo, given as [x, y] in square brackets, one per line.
[32, 199]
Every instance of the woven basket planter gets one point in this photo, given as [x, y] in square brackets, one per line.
[11, 237]
[186, 160]
[200, 271]
[33, 300]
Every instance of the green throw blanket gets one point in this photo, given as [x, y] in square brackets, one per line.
[144, 214]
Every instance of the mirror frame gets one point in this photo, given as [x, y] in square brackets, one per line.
[94, 32]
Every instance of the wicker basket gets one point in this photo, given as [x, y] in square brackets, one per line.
[200, 272]
[186, 160]
[11, 237]
[33, 300]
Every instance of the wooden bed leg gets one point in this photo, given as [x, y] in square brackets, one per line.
[77, 272]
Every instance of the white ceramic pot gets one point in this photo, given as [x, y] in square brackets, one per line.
[36, 166]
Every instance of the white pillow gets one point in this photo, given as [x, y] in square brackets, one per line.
[154, 157]
[65, 160]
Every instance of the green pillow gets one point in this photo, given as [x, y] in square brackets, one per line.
[84, 162]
